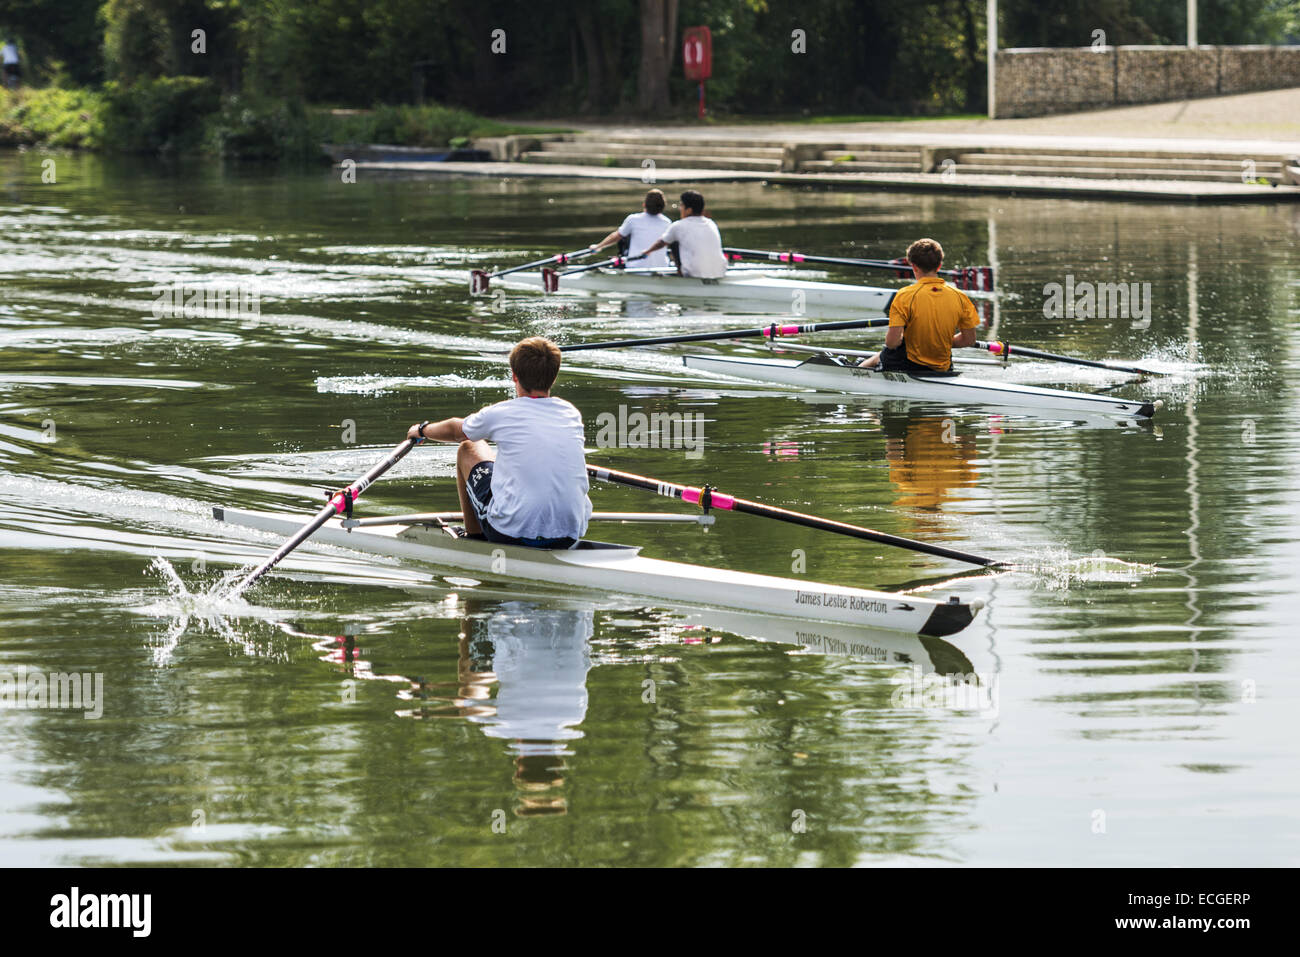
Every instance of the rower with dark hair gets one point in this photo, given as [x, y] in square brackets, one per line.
[641, 229]
[532, 489]
[927, 319]
[699, 244]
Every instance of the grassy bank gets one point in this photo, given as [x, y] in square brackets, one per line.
[186, 115]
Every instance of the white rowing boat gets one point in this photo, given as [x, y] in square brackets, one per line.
[827, 372]
[621, 569]
[748, 288]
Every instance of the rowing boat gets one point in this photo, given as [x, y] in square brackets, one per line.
[828, 372]
[751, 288]
[621, 569]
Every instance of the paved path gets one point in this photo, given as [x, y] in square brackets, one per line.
[1267, 121]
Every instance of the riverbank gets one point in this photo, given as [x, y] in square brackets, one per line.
[189, 115]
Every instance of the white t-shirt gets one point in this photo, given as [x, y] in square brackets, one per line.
[643, 230]
[539, 482]
[11, 57]
[701, 247]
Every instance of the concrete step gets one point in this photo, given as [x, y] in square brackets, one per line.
[668, 141]
[665, 161]
[641, 150]
[1098, 172]
[828, 166]
[874, 155]
[1114, 162]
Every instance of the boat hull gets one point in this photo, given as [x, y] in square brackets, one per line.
[826, 376]
[621, 569]
[751, 288]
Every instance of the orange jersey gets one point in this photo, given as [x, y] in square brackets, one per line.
[931, 312]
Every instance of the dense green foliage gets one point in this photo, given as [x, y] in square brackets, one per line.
[237, 75]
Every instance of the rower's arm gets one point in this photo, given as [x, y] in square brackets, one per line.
[658, 244]
[608, 240]
[448, 430]
[893, 337]
[961, 340]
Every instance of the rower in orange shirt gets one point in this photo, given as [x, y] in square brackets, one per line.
[927, 319]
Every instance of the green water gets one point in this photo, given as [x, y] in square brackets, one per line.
[1137, 677]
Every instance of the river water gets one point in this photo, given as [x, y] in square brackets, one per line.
[1127, 696]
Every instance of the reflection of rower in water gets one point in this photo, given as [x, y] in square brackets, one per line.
[928, 458]
[538, 658]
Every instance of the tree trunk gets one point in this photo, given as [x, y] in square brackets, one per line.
[597, 89]
[658, 38]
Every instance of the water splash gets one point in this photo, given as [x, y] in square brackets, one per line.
[1059, 572]
[206, 610]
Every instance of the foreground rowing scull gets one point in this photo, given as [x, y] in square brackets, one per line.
[621, 569]
[828, 372]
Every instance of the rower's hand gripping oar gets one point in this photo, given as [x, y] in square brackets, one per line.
[480, 279]
[340, 502]
[979, 278]
[551, 278]
[708, 497]
[772, 331]
[1005, 350]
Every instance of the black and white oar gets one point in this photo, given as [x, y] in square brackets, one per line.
[978, 278]
[340, 503]
[1006, 350]
[708, 497]
[771, 331]
[479, 279]
[551, 278]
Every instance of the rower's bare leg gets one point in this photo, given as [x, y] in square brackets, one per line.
[468, 455]
[870, 362]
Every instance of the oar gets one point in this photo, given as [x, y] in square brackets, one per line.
[339, 503]
[967, 277]
[551, 278]
[771, 332]
[1006, 350]
[479, 280]
[708, 497]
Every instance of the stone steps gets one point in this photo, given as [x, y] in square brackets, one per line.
[654, 150]
[664, 160]
[1111, 172]
[1172, 164]
[629, 150]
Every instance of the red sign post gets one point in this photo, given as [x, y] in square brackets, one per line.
[697, 57]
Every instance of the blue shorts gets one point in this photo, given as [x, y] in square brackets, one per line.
[478, 485]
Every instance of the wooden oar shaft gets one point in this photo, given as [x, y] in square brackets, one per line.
[336, 505]
[771, 331]
[1006, 350]
[709, 498]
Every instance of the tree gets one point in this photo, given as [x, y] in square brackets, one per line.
[658, 42]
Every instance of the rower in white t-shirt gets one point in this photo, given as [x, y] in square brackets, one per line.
[639, 230]
[532, 488]
[699, 244]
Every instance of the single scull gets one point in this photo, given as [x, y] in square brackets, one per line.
[621, 569]
[828, 372]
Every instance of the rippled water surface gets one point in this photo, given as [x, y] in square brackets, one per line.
[1127, 696]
